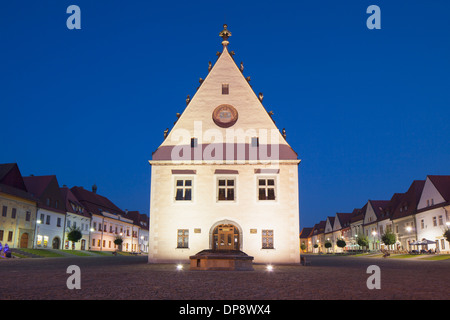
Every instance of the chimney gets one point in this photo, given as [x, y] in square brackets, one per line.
[94, 188]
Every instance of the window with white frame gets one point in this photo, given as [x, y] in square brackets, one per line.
[266, 188]
[183, 189]
[226, 189]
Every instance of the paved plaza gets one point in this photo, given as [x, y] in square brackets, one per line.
[124, 278]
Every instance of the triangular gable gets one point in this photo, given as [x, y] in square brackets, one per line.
[430, 195]
[197, 120]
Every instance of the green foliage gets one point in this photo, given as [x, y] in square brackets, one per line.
[388, 238]
[303, 246]
[363, 241]
[447, 234]
[74, 234]
[328, 244]
[341, 243]
[118, 240]
[316, 245]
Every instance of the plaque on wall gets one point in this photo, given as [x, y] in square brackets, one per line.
[225, 115]
[253, 231]
[197, 230]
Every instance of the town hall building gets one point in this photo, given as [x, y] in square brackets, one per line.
[224, 178]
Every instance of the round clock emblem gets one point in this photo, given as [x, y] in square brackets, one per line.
[225, 115]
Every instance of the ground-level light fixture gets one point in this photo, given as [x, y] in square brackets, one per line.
[179, 267]
[269, 267]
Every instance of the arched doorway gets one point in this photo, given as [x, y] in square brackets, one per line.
[225, 237]
[24, 240]
[55, 243]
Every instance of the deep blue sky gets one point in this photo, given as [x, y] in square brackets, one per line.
[366, 110]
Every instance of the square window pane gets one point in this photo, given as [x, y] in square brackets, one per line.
[179, 183]
[221, 182]
[270, 182]
[188, 183]
[262, 182]
[230, 183]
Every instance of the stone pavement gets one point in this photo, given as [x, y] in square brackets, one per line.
[124, 278]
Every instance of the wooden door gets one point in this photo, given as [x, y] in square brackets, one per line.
[24, 240]
[226, 237]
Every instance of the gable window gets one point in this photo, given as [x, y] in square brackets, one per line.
[226, 189]
[48, 220]
[5, 209]
[183, 238]
[183, 189]
[13, 213]
[28, 216]
[267, 239]
[225, 88]
[266, 189]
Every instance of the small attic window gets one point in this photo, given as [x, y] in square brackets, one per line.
[225, 88]
[194, 142]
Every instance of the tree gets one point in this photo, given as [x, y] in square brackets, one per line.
[328, 245]
[118, 241]
[303, 246]
[363, 240]
[388, 238]
[447, 234]
[341, 243]
[74, 234]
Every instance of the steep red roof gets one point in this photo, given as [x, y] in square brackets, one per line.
[94, 202]
[407, 203]
[344, 219]
[306, 232]
[46, 189]
[73, 205]
[11, 182]
[442, 184]
[378, 207]
[139, 219]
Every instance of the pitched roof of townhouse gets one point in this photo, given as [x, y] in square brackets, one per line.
[73, 205]
[305, 233]
[358, 214]
[442, 184]
[407, 203]
[43, 188]
[378, 207]
[95, 203]
[11, 182]
[319, 227]
[344, 219]
[139, 219]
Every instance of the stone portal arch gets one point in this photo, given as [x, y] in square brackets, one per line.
[225, 235]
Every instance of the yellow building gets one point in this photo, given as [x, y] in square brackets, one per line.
[17, 209]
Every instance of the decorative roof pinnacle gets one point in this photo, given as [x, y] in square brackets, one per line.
[225, 34]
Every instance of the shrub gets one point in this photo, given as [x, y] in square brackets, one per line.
[341, 243]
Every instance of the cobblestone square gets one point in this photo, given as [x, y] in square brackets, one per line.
[132, 278]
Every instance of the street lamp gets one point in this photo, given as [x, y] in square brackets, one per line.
[38, 222]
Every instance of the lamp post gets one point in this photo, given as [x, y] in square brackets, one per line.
[38, 222]
[374, 233]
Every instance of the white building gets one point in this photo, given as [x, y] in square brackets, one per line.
[51, 214]
[224, 178]
[108, 222]
[76, 217]
[433, 212]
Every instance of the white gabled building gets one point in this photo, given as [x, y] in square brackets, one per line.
[76, 217]
[433, 212]
[224, 178]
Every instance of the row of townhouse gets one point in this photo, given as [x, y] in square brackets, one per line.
[421, 213]
[37, 213]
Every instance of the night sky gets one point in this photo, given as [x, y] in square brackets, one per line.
[367, 111]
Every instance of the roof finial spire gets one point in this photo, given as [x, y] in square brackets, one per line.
[225, 34]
